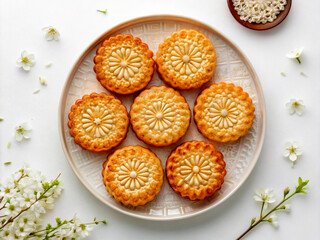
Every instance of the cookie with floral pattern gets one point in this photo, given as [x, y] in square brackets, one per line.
[124, 64]
[186, 59]
[98, 122]
[133, 175]
[224, 112]
[195, 170]
[160, 116]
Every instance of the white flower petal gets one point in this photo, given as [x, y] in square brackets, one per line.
[292, 110]
[294, 144]
[299, 110]
[293, 157]
[286, 153]
[27, 135]
[298, 151]
[31, 57]
[257, 198]
[46, 29]
[57, 36]
[26, 67]
[24, 54]
[18, 137]
[300, 50]
[49, 37]
[19, 63]
[300, 101]
[26, 126]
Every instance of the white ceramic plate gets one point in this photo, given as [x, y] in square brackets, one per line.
[240, 156]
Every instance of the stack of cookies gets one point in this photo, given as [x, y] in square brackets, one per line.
[160, 116]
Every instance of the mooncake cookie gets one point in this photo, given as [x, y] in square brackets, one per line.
[223, 112]
[133, 175]
[124, 64]
[186, 59]
[160, 116]
[195, 170]
[98, 122]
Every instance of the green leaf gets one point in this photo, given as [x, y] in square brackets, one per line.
[45, 185]
[58, 221]
[82, 226]
[48, 226]
[104, 12]
[55, 182]
[253, 220]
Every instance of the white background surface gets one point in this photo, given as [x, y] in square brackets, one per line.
[79, 24]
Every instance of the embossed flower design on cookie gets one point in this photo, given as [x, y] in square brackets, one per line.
[124, 63]
[223, 113]
[159, 116]
[195, 171]
[97, 121]
[186, 58]
[133, 174]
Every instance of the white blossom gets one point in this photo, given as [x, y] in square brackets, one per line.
[21, 230]
[47, 203]
[13, 208]
[292, 151]
[295, 106]
[287, 207]
[25, 196]
[273, 219]
[85, 230]
[51, 33]
[22, 131]
[26, 61]
[264, 195]
[295, 54]
[7, 234]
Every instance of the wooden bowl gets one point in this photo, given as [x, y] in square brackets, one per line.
[261, 26]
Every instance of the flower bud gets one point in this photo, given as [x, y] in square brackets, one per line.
[286, 192]
[253, 220]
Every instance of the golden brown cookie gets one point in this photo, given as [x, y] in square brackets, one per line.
[160, 116]
[186, 59]
[195, 170]
[98, 122]
[124, 64]
[223, 112]
[133, 175]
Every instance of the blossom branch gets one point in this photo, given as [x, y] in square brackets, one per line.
[26, 195]
[50, 232]
[299, 189]
[46, 187]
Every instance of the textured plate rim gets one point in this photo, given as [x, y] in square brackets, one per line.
[151, 18]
